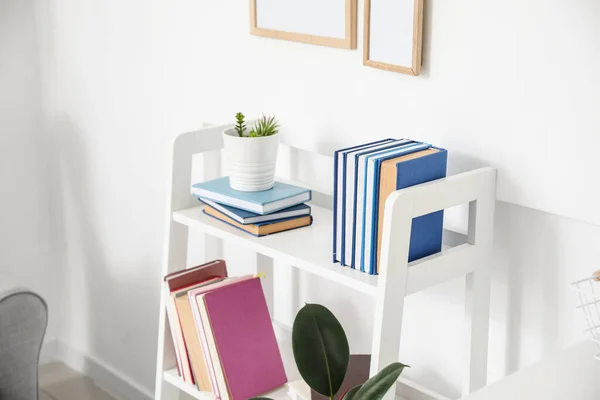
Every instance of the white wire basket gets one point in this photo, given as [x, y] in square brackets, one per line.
[588, 291]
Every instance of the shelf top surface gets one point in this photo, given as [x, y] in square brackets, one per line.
[308, 248]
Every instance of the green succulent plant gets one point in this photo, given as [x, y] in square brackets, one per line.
[240, 125]
[265, 126]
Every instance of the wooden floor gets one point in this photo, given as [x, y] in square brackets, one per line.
[59, 382]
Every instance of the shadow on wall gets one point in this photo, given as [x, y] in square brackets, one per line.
[528, 268]
[75, 239]
[93, 231]
[25, 235]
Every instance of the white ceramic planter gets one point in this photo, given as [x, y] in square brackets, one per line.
[251, 161]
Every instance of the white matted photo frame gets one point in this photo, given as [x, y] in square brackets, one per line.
[393, 35]
[321, 22]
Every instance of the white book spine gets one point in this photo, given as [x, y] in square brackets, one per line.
[349, 210]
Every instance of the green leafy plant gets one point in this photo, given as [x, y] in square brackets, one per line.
[320, 348]
[322, 355]
[240, 125]
[265, 126]
[376, 387]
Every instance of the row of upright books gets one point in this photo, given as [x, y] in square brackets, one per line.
[278, 209]
[222, 332]
[364, 177]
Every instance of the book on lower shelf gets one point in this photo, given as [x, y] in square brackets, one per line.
[181, 282]
[365, 176]
[196, 353]
[228, 334]
[241, 341]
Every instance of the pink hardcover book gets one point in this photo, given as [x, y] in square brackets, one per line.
[245, 340]
[192, 294]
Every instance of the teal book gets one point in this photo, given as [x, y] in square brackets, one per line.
[246, 217]
[280, 196]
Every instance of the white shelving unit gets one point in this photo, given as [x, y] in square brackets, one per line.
[310, 249]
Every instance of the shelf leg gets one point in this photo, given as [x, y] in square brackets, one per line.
[389, 306]
[477, 310]
[176, 240]
[477, 296]
[165, 359]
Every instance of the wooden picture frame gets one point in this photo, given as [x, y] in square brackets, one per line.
[348, 42]
[417, 42]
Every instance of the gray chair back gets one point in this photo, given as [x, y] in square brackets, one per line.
[23, 320]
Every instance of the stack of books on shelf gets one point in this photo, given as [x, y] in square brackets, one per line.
[263, 213]
[364, 177]
[222, 332]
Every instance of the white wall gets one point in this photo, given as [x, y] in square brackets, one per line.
[123, 77]
[25, 239]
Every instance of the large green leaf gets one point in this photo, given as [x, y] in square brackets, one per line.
[351, 393]
[376, 387]
[320, 349]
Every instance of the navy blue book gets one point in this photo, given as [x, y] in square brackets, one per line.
[392, 172]
[262, 228]
[246, 217]
[339, 200]
[281, 196]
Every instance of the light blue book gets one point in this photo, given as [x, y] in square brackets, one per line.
[281, 196]
[349, 194]
[356, 190]
[370, 190]
[246, 217]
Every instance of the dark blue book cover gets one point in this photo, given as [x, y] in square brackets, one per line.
[426, 230]
[336, 196]
[246, 217]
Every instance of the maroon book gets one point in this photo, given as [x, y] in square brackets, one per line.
[186, 277]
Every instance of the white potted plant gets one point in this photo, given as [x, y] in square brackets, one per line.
[252, 155]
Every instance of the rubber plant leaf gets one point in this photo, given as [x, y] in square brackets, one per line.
[351, 393]
[320, 349]
[376, 387]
